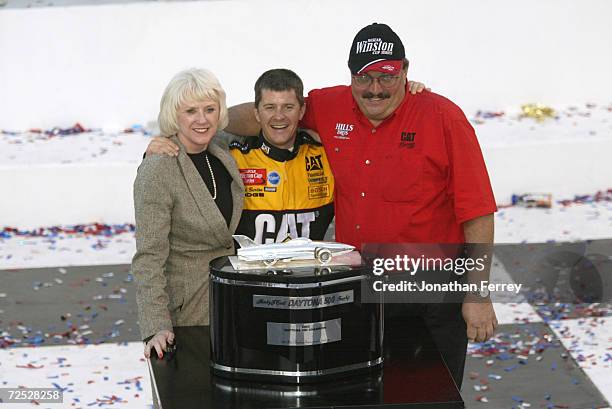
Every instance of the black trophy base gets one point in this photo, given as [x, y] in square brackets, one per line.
[292, 325]
[358, 370]
[414, 376]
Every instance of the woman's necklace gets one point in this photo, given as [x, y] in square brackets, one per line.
[212, 175]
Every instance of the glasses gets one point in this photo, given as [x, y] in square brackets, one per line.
[385, 80]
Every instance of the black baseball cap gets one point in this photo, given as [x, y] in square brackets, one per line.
[372, 45]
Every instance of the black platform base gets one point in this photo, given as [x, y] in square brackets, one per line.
[413, 376]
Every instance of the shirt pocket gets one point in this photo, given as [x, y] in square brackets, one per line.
[403, 182]
[344, 160]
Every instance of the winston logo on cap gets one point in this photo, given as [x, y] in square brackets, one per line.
[375, 46]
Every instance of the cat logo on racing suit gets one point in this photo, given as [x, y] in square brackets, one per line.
[314, 163]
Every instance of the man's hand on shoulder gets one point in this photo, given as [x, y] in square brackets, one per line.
[415, 87]
[162, 146]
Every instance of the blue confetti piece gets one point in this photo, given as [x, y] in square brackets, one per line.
[57, 386]
[504, 356]
[511, 368]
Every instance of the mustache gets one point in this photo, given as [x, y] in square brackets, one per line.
[381, 95]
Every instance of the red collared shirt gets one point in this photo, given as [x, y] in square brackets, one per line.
[415, 178]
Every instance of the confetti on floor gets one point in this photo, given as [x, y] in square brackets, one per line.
[82, 305]
[65, 249]
[88, 375]
[515, 313]
[526, 365]
[589, 341]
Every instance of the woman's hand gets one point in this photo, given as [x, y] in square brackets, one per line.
[162, 146]
[160, 342]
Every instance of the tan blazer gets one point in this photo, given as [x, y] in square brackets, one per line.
[179, 230]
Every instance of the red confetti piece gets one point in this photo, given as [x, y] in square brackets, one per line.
[30, 366]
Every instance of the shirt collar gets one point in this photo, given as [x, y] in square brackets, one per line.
[278, 154]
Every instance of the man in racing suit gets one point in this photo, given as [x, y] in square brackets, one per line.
[287, 178]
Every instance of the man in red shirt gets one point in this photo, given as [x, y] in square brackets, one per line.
[408, 169]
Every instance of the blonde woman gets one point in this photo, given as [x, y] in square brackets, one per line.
[187, 208]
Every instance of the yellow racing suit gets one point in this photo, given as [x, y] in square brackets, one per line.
[288, 193]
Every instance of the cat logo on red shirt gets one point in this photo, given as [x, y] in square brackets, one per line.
[407, 140]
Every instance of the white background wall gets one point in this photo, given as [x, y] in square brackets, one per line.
[107, 65]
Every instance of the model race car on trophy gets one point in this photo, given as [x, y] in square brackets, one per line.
[300, 248]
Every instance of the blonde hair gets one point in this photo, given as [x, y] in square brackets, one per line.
[194, 84]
